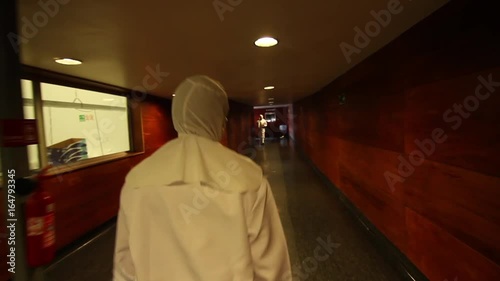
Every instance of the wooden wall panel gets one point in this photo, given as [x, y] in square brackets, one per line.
[378, 207]
[365, 184]
[240, 121]
[359, 160]
[443, 257]
[332, 153]
[86, 199]
[472, 140]
[462, 202]
[445, 214]
[157, 124]
[368, 118]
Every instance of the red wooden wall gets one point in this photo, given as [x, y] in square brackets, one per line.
[444, 215]
[239, 126]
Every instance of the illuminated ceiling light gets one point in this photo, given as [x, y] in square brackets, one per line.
[173, 95]
[270, 98]
[269, 88]
[266, 42]
[67, 61]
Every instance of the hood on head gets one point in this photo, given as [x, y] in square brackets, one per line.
[200, 107]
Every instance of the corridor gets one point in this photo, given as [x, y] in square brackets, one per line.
[380, 121]
[312, 217]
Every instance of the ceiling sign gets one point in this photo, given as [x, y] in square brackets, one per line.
[18, 132]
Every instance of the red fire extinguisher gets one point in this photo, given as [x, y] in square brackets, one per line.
[40, 224]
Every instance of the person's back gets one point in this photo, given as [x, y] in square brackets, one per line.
[196, 210]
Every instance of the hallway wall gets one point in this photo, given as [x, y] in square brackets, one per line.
[437, 201]
[239, 125]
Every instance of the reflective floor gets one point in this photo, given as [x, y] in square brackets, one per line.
[312, 216]
[326, 242]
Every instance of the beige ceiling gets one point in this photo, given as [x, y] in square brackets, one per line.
[119, 39]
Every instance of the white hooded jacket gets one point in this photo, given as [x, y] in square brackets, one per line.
[195, 210]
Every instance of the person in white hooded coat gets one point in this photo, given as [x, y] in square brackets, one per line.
[195, 210]
[262, 124]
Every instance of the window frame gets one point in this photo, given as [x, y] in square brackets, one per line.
[134, 117]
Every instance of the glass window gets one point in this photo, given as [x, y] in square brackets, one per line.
[81, 124]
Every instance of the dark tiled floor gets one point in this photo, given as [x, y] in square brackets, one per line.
[311, 216]
[310, 211]
[92, 261]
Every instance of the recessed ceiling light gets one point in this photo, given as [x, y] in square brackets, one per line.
[270, 98]
[266, 42]
[269, 88]
[173, 95]
[67, 61]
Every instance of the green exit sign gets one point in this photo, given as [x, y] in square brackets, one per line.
[82, 118]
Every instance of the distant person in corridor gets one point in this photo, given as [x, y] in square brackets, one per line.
[262, 124]
[195, 210]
